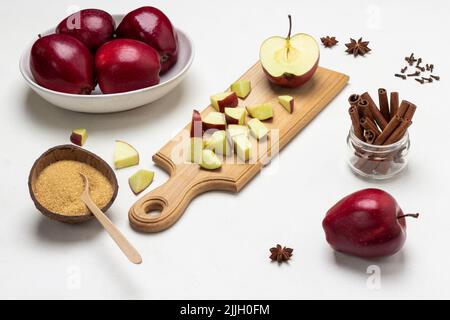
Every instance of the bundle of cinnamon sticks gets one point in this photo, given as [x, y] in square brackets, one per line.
[383, 125]
[380, 126]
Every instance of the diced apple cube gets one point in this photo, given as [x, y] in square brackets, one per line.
[210, 161]
[79, 136]
[242, 88]
[257, 129]
[242, 147]
[224, 100]
[218, 143]
[125, 155]
[261, 111]
[287, 102]
[235, 115]
[215, 120]
[195, 150]
[141, 180]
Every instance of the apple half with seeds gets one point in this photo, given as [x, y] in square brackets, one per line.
[257, 129]
[261, 111]
[141, 180]
[287, 102]
[224, 100]
[79, 136]
[291, 61]
[235, 115]
[242, 88]
[125, 155]
[210, 161]
[215, 120]
[218, 143]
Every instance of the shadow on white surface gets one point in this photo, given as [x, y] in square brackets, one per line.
[390, 266]
[47, 115]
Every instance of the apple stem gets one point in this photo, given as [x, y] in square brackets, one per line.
[290, 26]
[411, 215]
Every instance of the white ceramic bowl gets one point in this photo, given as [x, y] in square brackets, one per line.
[105, 103]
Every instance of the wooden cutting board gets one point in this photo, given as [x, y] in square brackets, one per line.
[162, 207]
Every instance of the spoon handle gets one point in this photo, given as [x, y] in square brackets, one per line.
[124, 245]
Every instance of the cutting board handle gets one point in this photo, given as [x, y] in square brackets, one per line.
[162, 207]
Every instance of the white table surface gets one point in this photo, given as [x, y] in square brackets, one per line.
[219, 249]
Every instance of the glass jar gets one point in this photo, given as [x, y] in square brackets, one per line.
[377, 162]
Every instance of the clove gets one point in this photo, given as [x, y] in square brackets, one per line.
[437, 78]
[420, 81]
[427, 79]
[415, 74]
[421, 68]
[404, 69]
[419, 61]
[400, 76]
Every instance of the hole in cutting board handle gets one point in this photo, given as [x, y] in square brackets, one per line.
[154, 208]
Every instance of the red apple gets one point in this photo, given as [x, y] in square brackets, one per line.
[223, 100]
[124, 65]
[62, 63]
[291, 61]
[93, 27]
[150, 25]
[367, 224]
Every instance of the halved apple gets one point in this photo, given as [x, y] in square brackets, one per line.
[290, 61]
[140, 180]
[125, 155]
[215, 120]
[235, 115]
[210, 161]
[224, 100]
[242, 146]
[287, 102]
[196, 125]
[218, 143]
[79, 136]
[261, 111]
[242, 88]
[257, 129]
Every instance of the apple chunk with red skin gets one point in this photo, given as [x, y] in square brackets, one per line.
[196, 141]
[224, 100]
[215, 120]
[287, 102]
[291, 61]
[235, 115]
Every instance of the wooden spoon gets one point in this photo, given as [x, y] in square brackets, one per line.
[124, 245]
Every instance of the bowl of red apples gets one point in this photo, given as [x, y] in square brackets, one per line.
[95, 62]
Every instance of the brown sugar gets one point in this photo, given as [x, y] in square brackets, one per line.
[59, 186]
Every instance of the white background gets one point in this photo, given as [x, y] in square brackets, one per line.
[219, 249]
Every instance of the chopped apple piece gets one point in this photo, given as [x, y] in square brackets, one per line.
[125, 155]
[79, 136]
[242, 147]
[257, 129]
[224, 100]
[195, 150]
[235, 115]
[196, 125]
[218, 143]
[215, 120]
[242, 88]
[287, 102]
[261, 111]
[140, 180]
[210, 161]
[235, 130]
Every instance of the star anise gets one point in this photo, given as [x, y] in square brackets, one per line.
[328, 41]
[357, 47]
[280, 254]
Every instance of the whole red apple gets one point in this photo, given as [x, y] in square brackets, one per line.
[150, 25]
[93, 27]
[367, 224]
[291, 61]
[62, 63]
[124, 65]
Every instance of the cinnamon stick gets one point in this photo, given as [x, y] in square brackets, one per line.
[354, 115]
[368, 124]
[384, 104]
[387, 132]
[364, 110]
[409, 114]
[369, 136]
[399, 132]
[354, 99]
[394, 104]
[377, 116]
[404, 106]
